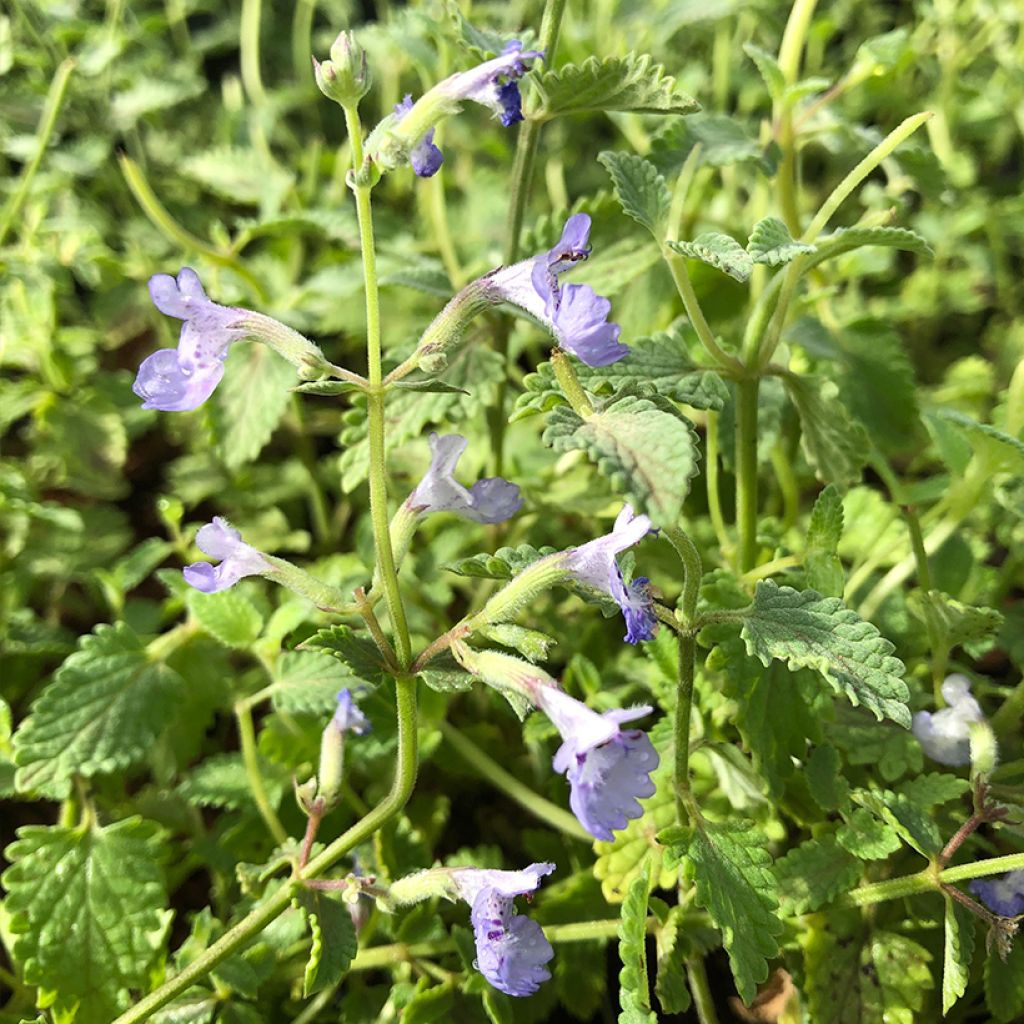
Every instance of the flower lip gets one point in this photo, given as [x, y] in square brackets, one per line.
[945, 735]
[219, 539]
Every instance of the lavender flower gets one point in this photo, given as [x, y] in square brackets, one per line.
[490, 500]
[176, 380]
[407, 135]
[946, 735]
[511, 950]
[608, 768]
[425, 157]
[348, 717]
[594, 565]
[1003, 896]
[575, 314]
[221, 540]
[493, 83]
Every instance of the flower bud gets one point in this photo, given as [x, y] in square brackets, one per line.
[344, 78]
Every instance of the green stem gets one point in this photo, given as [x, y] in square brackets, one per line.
[714, 495]
[512, 787]
[746, 471]
[703, 1001]
[254, 923]
[247, 735]
[677, 267]
[249, 44]
[44, 131]
[172, 230]
[375, 400]
[302, 41]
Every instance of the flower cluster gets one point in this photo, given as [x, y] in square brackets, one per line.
[177, 380]
[946, 735]
[575, 314]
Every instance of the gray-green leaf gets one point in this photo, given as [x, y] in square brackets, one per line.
[718, 251]
[639, 188]
[771, 243]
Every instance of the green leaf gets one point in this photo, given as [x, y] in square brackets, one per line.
[644, 447]
[502, 565]
[1002, 451]
[866, 837]
[718, 251]
[661, 362]
[958, 950]
[771, 243]
[769, 68]
[1004, 983]
[823, 772]
[227, 616]
[814, 873]
[846, 240]
[325, 388]
[431, 387]
[635, 83]
[309, 682]
[732, 873]
[910, 821]
[824, 569]
[634, 994]
[106, 707]
[670, 984]
[957, 622]
[857, 977]
[334, 939]
[429, 1003]
[834, 444]
[807, 630]
[934, 789]
[531, 643]
[639, 188]
[341, 642]
[221, 781]
[87, 907]
[723, 140]
[251, 401]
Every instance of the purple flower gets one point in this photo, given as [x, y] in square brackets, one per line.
[575, 314]
[176, 380]
[493, 83]
[221, 540]
[608, 768]
[426, 158]
[946, 735]
[490, 500]
[594, 565]
[1003, 896]
[349, 717]
[511, 950]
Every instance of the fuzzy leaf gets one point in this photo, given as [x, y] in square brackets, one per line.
[661, 362]
[824, 569]
[771, 243]
[670, 984]
[864, 978]
[86, 906]
[768, 66]
[958, 950]
[718, 251]
[734, 883]
[221, 781]
[334, 939]
[910, 820]
[639, 188]
[307, 681]
[866, 837]
[634, 994]
[633, 83]
[813, 874]
[807, 630]
[341, 642]
[227, 616]
[641, 444]
[502, 565]
[847, 239]
[957, 622]
[834, 444]
[251, 400]
[823, 772]
[1001, 451]
[102, 713]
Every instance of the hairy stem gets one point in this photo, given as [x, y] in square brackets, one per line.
[247, 736]
[746, 471]
[700, 988]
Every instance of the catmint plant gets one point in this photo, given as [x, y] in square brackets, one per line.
[634, 519]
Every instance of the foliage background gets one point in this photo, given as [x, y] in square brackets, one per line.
[173, 144]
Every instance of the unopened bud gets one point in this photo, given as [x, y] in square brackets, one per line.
[344, 78]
